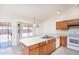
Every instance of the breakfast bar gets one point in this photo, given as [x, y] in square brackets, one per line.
[38, 46]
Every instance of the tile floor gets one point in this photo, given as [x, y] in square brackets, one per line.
[65, 51]
[11, 51]
[18, 51]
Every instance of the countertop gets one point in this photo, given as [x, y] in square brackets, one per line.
[34, 40]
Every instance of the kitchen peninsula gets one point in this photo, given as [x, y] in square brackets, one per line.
[38, 46]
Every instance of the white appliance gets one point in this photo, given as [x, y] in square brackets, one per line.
[73, 38]
[57, 36]
[57, 42]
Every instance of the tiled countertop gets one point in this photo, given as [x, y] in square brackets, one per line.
[33, 40]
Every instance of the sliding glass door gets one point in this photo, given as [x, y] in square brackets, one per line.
[5, 36]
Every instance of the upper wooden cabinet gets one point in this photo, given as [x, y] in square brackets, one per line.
[63, 25]
[73, 22]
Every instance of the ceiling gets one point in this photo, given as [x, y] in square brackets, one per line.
[28, 11]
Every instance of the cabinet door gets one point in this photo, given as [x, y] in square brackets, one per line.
[34, 46]
[51, 47]
[58, 25]
[34, 51]
[62, 25]
[43, 50]
[73, 22]
[63, 41]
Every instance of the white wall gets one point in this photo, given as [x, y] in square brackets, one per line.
[49, 26]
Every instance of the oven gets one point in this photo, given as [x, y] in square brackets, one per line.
[73, 42]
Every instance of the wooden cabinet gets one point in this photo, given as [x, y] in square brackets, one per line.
[34, 51]
[34, 46]
[48, 47]
[43, 48]
[51, 46]
[31, 50]
[63, 25]
[73, 22]
[63, 41]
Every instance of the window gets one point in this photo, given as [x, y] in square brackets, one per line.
[27, 30]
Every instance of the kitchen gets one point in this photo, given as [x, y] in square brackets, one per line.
[53, 33]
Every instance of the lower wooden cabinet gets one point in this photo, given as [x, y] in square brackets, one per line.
[43, 50]
[34, 51]
[51, 47]
[63, 41]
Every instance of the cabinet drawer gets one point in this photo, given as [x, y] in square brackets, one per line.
[34, 46]
[34, 51]
[42, 43]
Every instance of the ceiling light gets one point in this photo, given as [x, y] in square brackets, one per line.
[58, 12]
[35, 24]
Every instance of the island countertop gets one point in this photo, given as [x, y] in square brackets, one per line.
[33, 40]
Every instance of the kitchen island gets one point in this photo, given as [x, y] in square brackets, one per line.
[38, 46]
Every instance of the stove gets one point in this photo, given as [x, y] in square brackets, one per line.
[73, 38]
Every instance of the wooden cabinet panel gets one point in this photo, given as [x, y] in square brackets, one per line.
[62, 25]
[49, 41]
[42, 43]
[73, 22]
[34, 51]
[34, 46]
[58, 25]
[63, 41]
[51, 47]
[43, 50]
